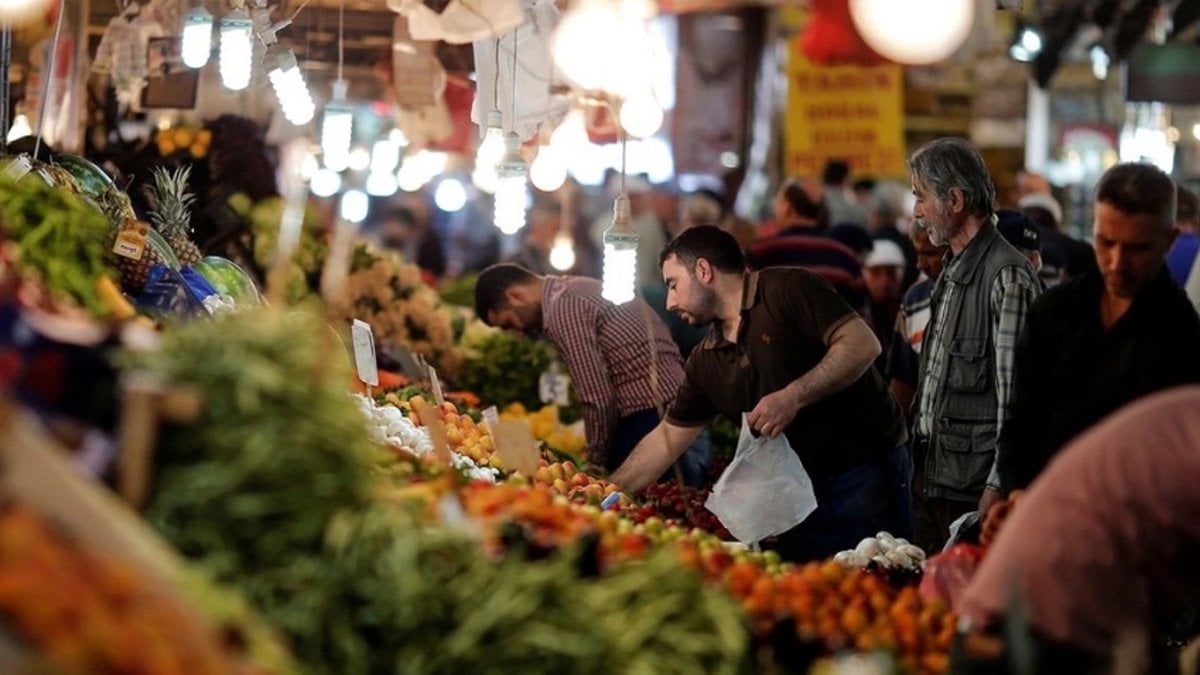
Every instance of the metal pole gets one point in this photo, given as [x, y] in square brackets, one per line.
[5, 64]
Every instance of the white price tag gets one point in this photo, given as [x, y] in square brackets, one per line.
[554, 387]
[364, 353]
[491, 416]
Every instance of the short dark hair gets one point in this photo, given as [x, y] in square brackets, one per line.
[803, 205]
[712, 243]
[1139, 189]
[1187, 207]
[946, 164]
[492, 286]
[836, 171]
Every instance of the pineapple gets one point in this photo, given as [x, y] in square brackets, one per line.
[134, 273]
[170, 202]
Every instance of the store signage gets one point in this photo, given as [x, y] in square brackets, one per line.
[853, 113]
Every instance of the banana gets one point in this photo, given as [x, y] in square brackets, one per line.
[114, 301]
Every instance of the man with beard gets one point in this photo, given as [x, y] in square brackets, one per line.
[1113, 335]
[788, 351]
[619, 373]
[979, 307]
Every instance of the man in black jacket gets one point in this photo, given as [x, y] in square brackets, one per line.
[1106, 338]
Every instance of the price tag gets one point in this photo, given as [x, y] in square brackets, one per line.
[18, 168]
[131, 240]
[364, 353]
[437, 434]
[436, 384]
[491, 416]
[515, 446]
[554, 387]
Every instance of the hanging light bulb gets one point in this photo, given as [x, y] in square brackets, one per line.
[20, 128]
[381, 184]
[354, 206]
[510, 189]
[337, 129]
[236, 51]
[290, 87]
[491, 149]
[197, 37]
[548, 171]
[451, 195]
[641, 115]
[562, 254]
[325, 183]
[620, 255]
[385, 156]
[360, 159]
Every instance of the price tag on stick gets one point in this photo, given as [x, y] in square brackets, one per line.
[436, 385]
[437, 434]
[364, 353]
[515, 446]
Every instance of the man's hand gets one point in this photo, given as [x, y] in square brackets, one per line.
[774, 412]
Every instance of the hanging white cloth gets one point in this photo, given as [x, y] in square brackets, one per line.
[462, 21]
[535, 73]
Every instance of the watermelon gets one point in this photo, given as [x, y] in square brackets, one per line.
[228, 279]
[91, 178]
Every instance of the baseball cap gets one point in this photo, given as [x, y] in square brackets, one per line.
[885, 253]
[1018, 230]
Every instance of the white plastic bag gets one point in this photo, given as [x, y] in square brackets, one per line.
[764, 490]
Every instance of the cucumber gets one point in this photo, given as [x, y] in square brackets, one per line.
[92, 178]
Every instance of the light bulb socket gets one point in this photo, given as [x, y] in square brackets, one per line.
[511, 165]
[280, 58]
[494, 120]
[198, 16]
[340, 87]
[236, 19]
[621, 235]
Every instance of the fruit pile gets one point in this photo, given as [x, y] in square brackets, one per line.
[195, 141]
[89, 614]
[547, 428]
[822, 608]
[685, 505]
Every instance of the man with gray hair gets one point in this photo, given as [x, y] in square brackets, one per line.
[979, 308]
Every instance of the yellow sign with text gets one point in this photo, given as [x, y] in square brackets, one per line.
[852, 113]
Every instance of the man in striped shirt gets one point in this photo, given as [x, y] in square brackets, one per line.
[622, 361]
[803, 241]
[979, 307]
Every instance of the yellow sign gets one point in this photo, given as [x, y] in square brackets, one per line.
[844, 112]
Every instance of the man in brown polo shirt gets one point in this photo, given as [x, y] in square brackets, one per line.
[788, 351]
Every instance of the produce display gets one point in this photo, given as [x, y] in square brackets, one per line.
[335, 518]
[56, 244]
[89, 614]
[547, 427]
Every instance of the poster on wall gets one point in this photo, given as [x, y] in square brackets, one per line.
[852, 113]
[169, 84]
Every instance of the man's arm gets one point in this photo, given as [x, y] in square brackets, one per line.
[653, 454]
[1014, 291]
[579, 346]
[852, 348]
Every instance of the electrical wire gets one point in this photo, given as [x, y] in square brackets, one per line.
[298, 10]
[341, 36]
[513, 103]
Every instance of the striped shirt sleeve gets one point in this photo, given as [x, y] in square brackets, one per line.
[578, 322]
[1013, 292]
